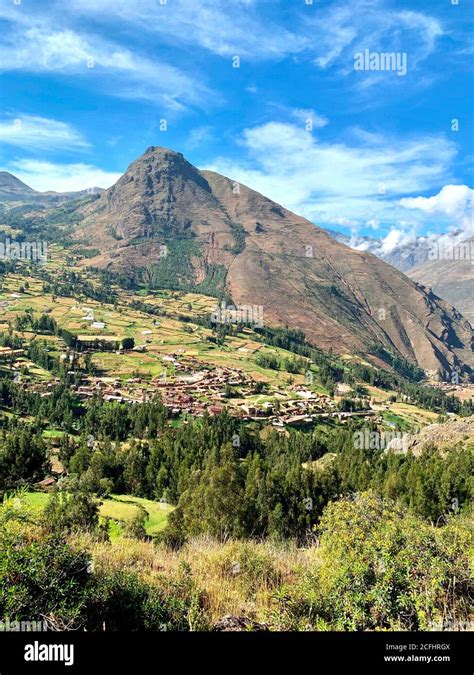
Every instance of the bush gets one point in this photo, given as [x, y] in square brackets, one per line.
[123, 601]
[382, 568]
[49, 580]
[68, 512]
[43, 580]
[135, 527]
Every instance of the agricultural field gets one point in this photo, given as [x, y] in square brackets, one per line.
[120, 509]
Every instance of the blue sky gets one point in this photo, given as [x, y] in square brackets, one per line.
[264, 91]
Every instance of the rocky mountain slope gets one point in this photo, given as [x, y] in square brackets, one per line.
[226, 236]
[453, 432]
[13, 188]
[452, 280]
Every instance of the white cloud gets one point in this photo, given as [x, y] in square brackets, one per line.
[219, 26]
[394, 239]
[45, 176]
[40, 133]
[324, 180]
[305, 115]
[41, 48]
[456, 202]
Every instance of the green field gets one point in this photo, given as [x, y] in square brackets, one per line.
[119, 508]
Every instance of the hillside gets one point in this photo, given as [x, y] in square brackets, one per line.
[228, 240]
[452, 280]
[13, 188]
[444, 435]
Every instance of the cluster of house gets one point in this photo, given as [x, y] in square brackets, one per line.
[194, 390]
[450, 387]
[306, 408]
[7, 353]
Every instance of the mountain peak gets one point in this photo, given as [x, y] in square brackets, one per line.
[158, 164]
[237, 243]
[11, 186]
[160, 150]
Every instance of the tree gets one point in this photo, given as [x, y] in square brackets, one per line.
[23, 458]
[67, 512]
[213, 501]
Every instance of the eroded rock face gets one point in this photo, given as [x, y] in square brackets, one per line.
[446, 435]
[453, 280]
[267, 256]
[232, 623]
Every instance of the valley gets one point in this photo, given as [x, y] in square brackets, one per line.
[199, 413]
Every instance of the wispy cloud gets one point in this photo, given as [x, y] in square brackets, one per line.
[351, 26]
[218, 26]
[30, 132]
[198, 136]
[329, 182]
[38, 46]
[310, 118]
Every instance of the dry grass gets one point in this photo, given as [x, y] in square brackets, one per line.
[238, 577]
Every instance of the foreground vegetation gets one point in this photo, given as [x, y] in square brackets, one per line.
[375, 566]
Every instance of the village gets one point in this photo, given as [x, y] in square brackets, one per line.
[195, 389]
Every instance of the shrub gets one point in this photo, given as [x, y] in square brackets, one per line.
[75, 511]
[382, 568]
[123, 601]
[135, 527]
[49, 580]
[251, 565]
[42, 580]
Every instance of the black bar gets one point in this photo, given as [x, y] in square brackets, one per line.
[137, 653]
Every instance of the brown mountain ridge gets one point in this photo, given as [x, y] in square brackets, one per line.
[223, 235]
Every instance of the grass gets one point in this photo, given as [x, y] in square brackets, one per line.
[240, 578]
[124, 507]
[34, 501]
[119, 508]
[53, 433]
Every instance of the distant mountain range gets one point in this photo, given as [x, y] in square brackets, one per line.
[13, 189]
[451, 279]
[168, 223]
